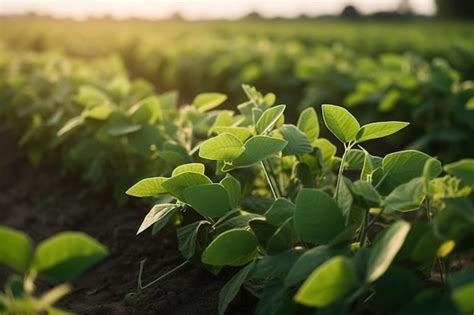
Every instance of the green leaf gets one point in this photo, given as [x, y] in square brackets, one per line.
[211, 200]
[283, 239]
[177, 184]
[100, 112]
[15, 249]
[189, 167]
[309, 124]
[70, 125]
[232, 185]
[67, 255]
[222, 147]
[207, 101]
[187, 237]
[242, 133]
[328, 283]
[268, 119]
[401, 167]
[123, 129]
[257, 149]
[280, 211]
[463, 169]
[233, 247]
[148, 187]
[306, 263]
[318, 218]
[298, 143]
[385, 249]
[406, 197]
[232, 287]
[158, 213]
[379, 130]
[366, 191]
[340, 122]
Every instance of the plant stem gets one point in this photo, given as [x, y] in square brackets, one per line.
[272, 185]
[341, 168]
[140, 272]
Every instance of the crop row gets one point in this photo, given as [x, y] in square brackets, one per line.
[313, 229]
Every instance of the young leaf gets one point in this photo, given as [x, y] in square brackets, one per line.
[259, 148]
[385, 249]
[401, 167]
[67, 255]
[233, 247]
[309, 124]
[158, 213]
[318, 218]
[189, 167]
[462, 169]
[280, 211]
[177, 184]
[207, 101]
[340, 122]
[222, 147]
[406, 197]
[328, 283]
[123, 129]
[233, 188]
[231, 288]
[379, 130]
[242, 133]
[15, 249]
[298, 143]
[147, 187]
[187, 237]
[211, 200]
[268, 119]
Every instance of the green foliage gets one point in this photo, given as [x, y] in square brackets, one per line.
[61, 257]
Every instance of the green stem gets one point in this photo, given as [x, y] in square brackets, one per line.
[341, 168]
[140, 272]
[270, 182]
[275, 180]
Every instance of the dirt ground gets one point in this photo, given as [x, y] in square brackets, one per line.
[43, 202]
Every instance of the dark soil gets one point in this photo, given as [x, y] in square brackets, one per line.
[41, 202]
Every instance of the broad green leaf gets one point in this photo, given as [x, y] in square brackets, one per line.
[168, 100]
[232, 287]
[67, 255]
[340, 122]
[401, 167]
[309, 124]
[326, 148]
[263, 231]
[318, 218]
[231, 248]
[379, 130]
[147, 111]
[298, 143]
[366, 191]
[207, 101]
[257, 149]
[372, 164]
[90, 96]
[344, 198]
[328, 283]
[189, 167]
[268, 119]
[177, 184]
[283, 239]
[100, 112]
[354, 160]
[385, 249]
[280, 211]
[210, 200]
[406, 197]
[222, 147]
[276, 266]
[148, 187]
[70, 125]
[15, 249]
[158, 213]
[462, 169]
[123, 129]
[187, 238]
[242, 133]
[307, 262]
[232, 185]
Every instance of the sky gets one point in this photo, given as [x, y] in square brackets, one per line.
[198, 9]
